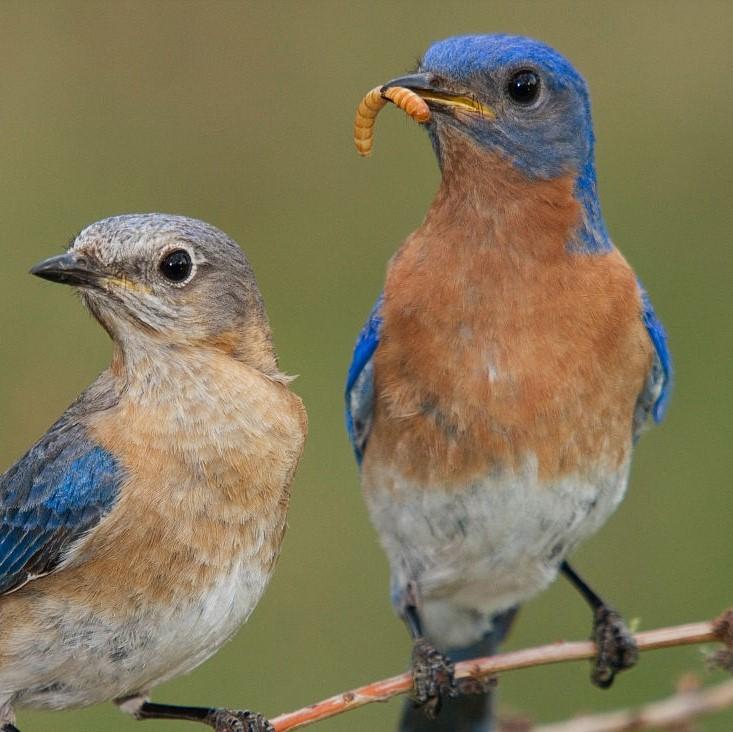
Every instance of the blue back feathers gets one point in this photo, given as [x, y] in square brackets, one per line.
[59, 490]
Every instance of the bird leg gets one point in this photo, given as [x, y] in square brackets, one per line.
[616, 647]
[432, 672]
[221, 720]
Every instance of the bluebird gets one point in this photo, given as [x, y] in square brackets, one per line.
[140, 531]
[505, 372]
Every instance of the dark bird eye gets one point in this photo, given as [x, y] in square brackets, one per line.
[524, 87]
[176, 265]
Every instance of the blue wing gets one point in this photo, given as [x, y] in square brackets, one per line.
[360, 382]
[59, 490]
[654, 398]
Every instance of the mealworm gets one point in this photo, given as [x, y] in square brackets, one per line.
[373, 102]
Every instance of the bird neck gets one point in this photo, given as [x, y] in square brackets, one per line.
[140, 354]
[482, 191]
[592, 236]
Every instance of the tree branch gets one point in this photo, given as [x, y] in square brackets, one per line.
[672, 712]
[720, 630]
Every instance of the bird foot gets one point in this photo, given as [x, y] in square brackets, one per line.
[432, 677]
[232, 720]
[616, 647]
[470, 685]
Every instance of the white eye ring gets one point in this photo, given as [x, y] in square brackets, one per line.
[177, 265]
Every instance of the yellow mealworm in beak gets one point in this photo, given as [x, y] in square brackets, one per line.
[366, 113]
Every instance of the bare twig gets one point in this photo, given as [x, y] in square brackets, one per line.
[670, 713]
[720, 630]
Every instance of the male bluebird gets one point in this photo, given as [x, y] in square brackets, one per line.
[141, 530]
[506, 371]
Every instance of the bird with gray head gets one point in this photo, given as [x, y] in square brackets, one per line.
[141, 530]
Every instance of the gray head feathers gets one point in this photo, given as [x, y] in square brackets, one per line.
[166, 280]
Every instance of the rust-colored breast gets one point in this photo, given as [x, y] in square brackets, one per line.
[499, 345]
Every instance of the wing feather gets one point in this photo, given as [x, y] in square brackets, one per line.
[654, 398]
[53, 495]
[360, 382]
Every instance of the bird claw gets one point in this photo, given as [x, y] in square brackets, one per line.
[432, 677]
[232, 720]
[616, 647]
[470, 685]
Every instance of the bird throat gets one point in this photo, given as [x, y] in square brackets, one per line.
[484, 200]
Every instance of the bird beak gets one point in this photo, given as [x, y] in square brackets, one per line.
[441, 99]
[70, 268]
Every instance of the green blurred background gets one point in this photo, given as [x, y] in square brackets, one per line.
[240, 114]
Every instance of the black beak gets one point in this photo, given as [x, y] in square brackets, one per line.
[68, 269]
[416, 82]
[430, 88]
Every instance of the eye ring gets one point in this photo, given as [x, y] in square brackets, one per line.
[176, 266]
[523, 87]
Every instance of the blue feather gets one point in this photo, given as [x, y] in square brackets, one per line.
[58, 491]
[461, 57]
[659, 384]
[554, 140]
[360, 381]
[592, 236]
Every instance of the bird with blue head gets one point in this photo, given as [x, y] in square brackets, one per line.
[141, 530]
[505, 372]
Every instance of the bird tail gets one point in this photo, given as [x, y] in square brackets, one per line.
[468, 713]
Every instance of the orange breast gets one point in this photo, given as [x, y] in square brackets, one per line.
[498, 345]
[207, 488]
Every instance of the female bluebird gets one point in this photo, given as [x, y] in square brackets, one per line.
[141, 530]
[505, 372]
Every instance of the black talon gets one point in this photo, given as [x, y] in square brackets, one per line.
[616, 647]
[432, 677]
[225, 720]
[469, 685]
[221, 720]
[432, 672]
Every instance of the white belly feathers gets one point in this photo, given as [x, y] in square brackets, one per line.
[485, 548]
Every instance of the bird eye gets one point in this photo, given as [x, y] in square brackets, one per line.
[523, 87]
[176, 266]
